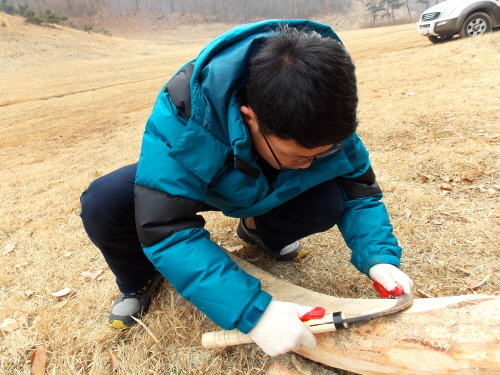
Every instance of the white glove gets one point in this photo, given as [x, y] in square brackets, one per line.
[390, 276]
[280, 330]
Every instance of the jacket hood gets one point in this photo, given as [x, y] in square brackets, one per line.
[221, 71]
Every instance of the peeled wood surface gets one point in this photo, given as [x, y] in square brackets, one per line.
[448, 335]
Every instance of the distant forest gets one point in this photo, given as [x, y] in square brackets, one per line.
[226, 10]
[211, 10]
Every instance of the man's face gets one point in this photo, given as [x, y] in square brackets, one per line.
[286, 152]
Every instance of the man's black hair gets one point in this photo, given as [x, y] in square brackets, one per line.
[302, 86]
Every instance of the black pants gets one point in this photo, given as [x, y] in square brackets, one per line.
[109, 220]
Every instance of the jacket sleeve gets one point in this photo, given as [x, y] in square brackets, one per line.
[365, 223]
[174, 240]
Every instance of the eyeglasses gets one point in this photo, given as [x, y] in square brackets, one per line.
[306, 159]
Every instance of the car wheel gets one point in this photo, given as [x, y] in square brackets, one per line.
[476, 24]
[436, 39]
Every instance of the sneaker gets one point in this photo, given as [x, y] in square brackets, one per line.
[128, 305]
[294, 251]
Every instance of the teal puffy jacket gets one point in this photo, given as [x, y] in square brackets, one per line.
[197, 155]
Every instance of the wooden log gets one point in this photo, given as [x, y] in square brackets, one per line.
[449, 335]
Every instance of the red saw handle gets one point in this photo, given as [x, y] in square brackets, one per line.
[316, 313]
[397, 291]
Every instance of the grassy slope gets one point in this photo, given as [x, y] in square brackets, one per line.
[73, 108]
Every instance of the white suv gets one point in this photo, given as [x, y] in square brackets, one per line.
[463, 17]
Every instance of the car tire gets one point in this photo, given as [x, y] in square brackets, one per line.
[436, 39]
[476, 24]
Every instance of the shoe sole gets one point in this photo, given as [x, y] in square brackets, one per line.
[118, 324]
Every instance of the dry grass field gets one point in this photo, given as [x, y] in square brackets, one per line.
[73, 107]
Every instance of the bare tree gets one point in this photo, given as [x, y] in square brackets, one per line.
[425, 2]
[408, 8]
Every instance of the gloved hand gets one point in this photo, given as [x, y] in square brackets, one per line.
[280, 330]
[390, 277]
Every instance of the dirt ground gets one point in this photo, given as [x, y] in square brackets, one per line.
[73, 107]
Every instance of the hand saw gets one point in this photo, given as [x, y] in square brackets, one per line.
[321, 322]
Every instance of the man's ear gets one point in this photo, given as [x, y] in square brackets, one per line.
[248, 113]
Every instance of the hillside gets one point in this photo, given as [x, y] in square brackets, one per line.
[151, 17]
[73, 107]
